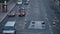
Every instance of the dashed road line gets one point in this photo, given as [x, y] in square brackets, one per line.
[48, 24]
[28, 9]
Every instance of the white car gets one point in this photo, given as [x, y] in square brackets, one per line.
[19, 2]
[9, 28]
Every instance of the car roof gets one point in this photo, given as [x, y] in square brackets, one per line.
[10, 23]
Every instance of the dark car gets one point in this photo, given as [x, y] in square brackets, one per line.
[27, 2]
[11, 14]
[21, 13]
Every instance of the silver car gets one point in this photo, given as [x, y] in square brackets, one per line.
[12, 14]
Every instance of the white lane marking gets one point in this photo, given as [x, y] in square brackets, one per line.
[50, 26]
[27, 12]
[48, 23]
[25, 19]
[46, 18]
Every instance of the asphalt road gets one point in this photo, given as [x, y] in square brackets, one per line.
[37, 10]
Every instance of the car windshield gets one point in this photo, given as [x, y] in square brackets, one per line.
[8, 28]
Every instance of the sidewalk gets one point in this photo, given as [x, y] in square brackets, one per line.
[3, 14]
